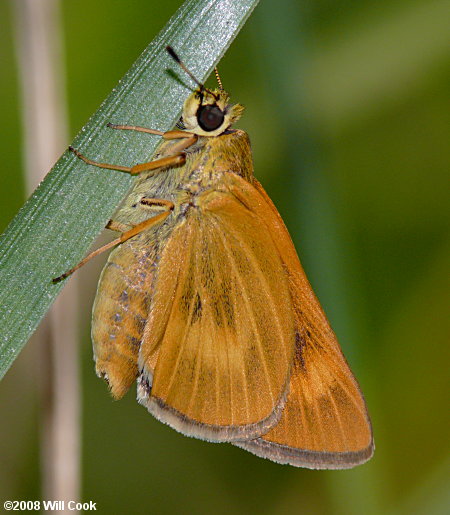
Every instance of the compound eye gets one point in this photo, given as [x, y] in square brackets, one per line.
[210, 117]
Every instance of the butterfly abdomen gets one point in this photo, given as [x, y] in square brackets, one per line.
[120, 312]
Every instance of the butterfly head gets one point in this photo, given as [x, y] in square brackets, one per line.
[207, 112]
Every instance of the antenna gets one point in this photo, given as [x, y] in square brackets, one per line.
[216, 71]
[175, 57]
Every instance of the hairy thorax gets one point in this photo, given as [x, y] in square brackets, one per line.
[205, 164]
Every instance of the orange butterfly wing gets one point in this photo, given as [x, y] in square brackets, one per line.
[217, 351]
[325, 423]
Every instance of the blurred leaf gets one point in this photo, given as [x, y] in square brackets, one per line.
[374, 60]
[415, 376]
[70, 207]
[431, 497]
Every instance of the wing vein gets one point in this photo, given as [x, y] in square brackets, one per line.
[183, 344]
[336, 375]
[318, 417]
[245, 384]
[338, 417]
[263, 281]
[248, 305]
[198, 354]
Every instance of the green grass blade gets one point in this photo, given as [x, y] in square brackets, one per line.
[56, 226]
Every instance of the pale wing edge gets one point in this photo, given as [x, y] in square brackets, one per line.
[317, 460]
[209, 432]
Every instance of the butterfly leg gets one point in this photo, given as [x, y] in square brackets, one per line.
[113, 225]
[187, 138]
[146, 224]
[166, 135]
[116, 226]
[177, 159]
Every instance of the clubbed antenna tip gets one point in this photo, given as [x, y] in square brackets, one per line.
[175, 57]
[172, 54]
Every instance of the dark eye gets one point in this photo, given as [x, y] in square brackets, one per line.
[210, 117]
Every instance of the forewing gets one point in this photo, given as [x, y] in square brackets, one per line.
[220, 338]
[325, 423]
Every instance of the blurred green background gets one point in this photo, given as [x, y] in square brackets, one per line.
[347, 110]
